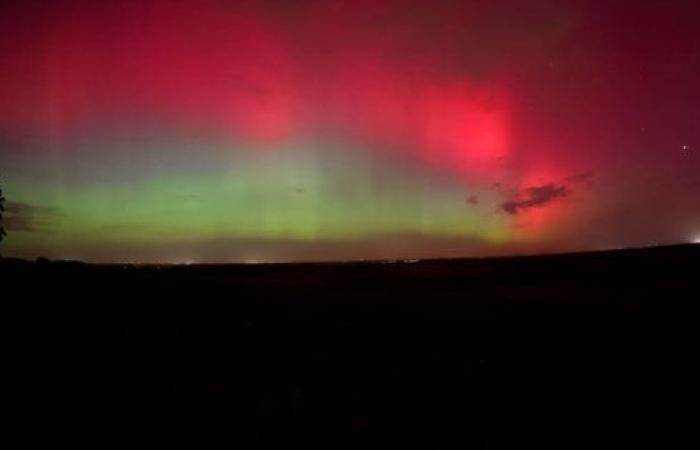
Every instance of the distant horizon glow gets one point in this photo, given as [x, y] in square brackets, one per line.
[159, 131]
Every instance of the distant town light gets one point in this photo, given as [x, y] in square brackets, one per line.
[252, 261]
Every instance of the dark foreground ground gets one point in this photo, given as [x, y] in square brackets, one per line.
[588, 351]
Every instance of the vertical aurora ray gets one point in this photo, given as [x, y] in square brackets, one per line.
[306, 194]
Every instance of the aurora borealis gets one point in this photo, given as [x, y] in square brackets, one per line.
[212, 131]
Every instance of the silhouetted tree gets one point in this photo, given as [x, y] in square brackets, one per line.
[2, 209]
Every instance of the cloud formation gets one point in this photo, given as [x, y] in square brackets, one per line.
[534, 197]
[27, 217]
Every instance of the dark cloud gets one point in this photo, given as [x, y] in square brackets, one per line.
[473, 200]
[27, 217]
[535, 196]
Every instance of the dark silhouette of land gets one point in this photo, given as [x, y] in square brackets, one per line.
[2, 210]
[583, 350]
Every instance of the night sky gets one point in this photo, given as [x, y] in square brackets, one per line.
[212, 131]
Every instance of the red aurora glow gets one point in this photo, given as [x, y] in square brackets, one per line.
[507, 96]
[238, 74]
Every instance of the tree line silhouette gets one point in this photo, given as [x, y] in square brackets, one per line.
[2, 209]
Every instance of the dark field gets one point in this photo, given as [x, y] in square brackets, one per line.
[587, 350]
